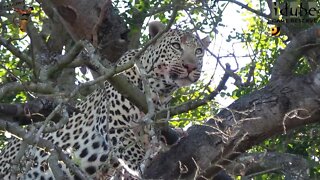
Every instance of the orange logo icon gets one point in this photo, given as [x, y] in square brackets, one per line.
[275, 31]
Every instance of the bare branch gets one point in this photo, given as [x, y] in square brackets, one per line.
[16, 161]
[34, 111]
[16, 52]
[67, 58]
[257, 12]
[8, 88]
[54, 165]
[252, 164]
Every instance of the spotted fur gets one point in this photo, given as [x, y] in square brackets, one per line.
[106, 134]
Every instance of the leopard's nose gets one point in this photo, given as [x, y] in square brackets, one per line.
[189, 67]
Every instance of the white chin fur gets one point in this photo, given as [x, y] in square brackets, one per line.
[183, 82]
[186, 81]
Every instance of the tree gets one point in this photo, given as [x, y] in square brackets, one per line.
[276, 95]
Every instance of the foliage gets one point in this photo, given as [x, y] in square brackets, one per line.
[11, 68]
[198, 115]
[265, 49]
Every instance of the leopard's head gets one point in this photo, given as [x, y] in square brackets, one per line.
[175, 59]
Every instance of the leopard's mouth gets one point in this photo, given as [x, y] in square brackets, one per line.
[190, 76]
[176, 76]
[182, 75]
[183, 80]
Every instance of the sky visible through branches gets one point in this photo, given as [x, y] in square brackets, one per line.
[233, 21]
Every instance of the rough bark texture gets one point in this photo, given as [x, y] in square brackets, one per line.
[249, 165]
[30, 112]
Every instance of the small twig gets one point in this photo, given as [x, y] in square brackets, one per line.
[16, 161]
[257, 12]
[16, 52]
[110, 72]
[54, 165]
[262, 172]
[158, 9]
[197, 169]
[49, 118]
[119, 81]
[63, 121]
[295, 114]
[148, 94]
[70, 164]
[67, 58]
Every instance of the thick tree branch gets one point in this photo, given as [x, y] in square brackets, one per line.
[9, 88]
[279, 107]
[252, 164]
[284, 65]
[33, 111]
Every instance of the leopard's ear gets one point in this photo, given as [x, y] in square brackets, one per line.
[206, 42]
[155, 27]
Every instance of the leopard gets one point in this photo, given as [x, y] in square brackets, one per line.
[103, 132]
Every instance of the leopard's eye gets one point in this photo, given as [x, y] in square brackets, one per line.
[199, 51]
[176, 45]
